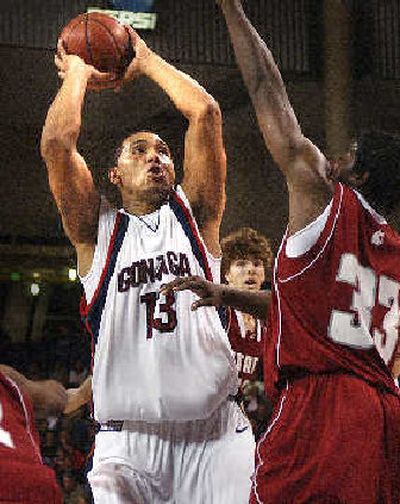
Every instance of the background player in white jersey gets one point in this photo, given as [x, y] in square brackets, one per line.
[162, 378]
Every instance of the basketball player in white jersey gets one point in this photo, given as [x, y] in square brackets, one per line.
[163, 378]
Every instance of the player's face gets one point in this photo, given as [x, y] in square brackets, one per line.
[342, 167]
[246, 274]
[145, 164]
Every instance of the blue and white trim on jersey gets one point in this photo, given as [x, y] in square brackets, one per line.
[91, 313]
[189, 226]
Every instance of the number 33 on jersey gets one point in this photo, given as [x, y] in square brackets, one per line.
[337, 300]
[366, 324]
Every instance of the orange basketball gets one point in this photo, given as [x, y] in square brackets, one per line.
[99, 40]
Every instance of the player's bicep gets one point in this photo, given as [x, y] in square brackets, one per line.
[76, 197]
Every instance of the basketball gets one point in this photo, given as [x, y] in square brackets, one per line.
[99, 40]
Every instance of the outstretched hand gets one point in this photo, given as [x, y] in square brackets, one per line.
[210, 294]
[97, 80]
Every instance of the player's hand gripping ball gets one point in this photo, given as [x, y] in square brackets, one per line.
[101, 41]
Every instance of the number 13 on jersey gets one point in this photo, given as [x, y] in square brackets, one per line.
[355, 328]
[160, 312]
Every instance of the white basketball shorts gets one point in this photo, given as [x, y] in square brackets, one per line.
[199, 462]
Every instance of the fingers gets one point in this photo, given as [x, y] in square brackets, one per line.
[202, 302]
[61, 48]
[132, 34]
[182, 283]
[103, 76]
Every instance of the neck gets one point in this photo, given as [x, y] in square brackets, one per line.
[142, 206]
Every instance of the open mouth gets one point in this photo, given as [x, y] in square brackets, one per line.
[156, 173]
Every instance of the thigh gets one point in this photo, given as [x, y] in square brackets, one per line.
[325, 443]
[131, 467]
[117, 483]
[233, 467]
[218, 469]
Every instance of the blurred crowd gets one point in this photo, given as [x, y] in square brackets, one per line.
[62, 354]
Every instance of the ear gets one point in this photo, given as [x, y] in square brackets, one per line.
[114, 176]
[358, 179]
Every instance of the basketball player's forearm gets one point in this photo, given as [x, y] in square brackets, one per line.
[253, 303]
[264, 82]
[63, 121]
[252, 55]
[27, 386]
[191, 99]
[46, 396]
[79, 396]
[16, 377]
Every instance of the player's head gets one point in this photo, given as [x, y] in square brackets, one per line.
[373, 167]
[144, 167]
[246, 259]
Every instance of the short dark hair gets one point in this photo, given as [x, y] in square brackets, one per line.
[242, 244]
[378, 153]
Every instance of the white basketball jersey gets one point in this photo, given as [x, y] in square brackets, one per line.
[154, 359]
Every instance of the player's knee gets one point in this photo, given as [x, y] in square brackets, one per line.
[117, 480]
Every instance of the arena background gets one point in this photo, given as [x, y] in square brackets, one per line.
[340, 60]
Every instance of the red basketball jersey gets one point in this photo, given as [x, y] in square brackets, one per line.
[335, 308]
[246, 345]
[23, 477]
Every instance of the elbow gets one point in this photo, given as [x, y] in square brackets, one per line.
[210, 112]
[53, 143]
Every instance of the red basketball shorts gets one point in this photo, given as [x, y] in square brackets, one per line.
[333, 439]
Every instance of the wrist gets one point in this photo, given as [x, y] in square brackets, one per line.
[149, 63]
[78, 68]
[228, 6]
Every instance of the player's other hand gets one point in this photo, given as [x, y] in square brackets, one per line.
[73, 402]
[142, 53]
[48, 396]
[68, 63]
[210, 294]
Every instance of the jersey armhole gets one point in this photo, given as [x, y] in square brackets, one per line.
[107, 215]
[214, 261]
[301, 242]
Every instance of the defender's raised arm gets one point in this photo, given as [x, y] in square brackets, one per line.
[303, 165]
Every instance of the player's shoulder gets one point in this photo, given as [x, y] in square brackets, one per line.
[368, 209]
[106, 207]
